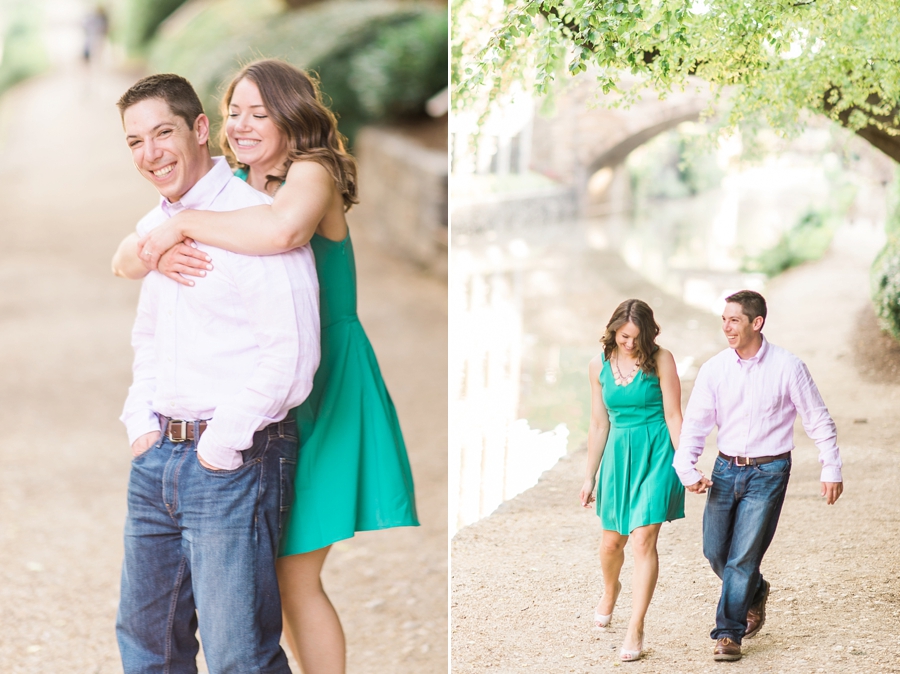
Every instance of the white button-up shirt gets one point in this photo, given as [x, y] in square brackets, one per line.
[239, 348]
[754, 402]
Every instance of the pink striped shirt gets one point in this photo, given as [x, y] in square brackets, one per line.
[754, 402]
[240, 347]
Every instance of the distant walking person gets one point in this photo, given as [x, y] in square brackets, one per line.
[96, 27]
[752, 391]
[635, 420]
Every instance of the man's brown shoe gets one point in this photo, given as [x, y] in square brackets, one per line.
[727, 650]
[756, 616]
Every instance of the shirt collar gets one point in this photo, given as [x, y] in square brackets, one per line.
[747, 362]
[204, 191]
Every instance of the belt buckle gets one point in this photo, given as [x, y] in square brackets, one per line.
[742, 461]
[173, 424]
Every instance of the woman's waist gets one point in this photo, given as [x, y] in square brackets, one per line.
[628, 424]
[335, 321]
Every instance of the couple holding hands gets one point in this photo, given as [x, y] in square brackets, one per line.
[752, 391]
[260, 426]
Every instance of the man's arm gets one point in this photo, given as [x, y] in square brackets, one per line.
[138, 415]
[699, 419]
[820, 427]
[285, 321]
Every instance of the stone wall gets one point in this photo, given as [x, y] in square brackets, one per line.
[503, 211]
[403, 195]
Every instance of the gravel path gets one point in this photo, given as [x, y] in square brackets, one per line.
[69, 194]
[525, 580]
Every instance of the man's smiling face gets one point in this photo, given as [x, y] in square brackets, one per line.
[740, 331]
[166, 151]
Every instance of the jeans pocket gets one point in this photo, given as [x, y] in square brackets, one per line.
[251, 456]
[720, 465]
[255, 452]
[155, 445]
[779, 468]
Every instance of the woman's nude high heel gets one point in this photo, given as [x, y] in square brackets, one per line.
[630, 656]
[602, 621]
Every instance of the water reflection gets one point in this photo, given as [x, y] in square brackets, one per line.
[496, 455]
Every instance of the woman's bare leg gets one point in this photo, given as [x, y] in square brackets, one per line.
[646, 571]
[612, 556]
[311, 625]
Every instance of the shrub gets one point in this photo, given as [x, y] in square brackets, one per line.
[886, 287]
[142, 18]
[402, 68]
[330, 39]
[885, 274]
[806, 241]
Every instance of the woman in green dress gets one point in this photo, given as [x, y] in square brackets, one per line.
[352, 472]
[635, 424]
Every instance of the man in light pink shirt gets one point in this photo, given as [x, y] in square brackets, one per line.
[218, 366]
[752, 391]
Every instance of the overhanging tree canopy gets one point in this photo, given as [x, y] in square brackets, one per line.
[836, 57]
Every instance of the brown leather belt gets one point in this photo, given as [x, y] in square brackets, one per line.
[743, 461]
[179, 430]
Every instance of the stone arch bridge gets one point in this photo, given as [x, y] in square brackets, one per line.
[578, 138]
[581, 136]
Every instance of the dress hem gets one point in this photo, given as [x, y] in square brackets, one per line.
[346, 537]
[672, 519]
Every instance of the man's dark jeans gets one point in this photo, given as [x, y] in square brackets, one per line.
[742, 511]
[203, 543]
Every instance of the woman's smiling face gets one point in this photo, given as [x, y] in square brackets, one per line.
[252, 135]
[626, 338]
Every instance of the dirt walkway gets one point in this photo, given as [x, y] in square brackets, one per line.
[69, 194]
[525, 580]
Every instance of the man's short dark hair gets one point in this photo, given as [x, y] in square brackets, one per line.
[752, 304]
[176, 91]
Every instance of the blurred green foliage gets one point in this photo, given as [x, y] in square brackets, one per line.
[672, 166]
[375, 58]
[885, 274]
[402, 67]
[24, 53]
[141, 18]
[805, 241]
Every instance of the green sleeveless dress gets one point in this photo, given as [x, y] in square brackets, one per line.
[637, 485]
[352, 470]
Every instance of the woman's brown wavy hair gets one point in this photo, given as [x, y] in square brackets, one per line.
[639, 313]
[294, 104]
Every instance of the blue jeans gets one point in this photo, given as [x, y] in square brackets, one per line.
[742, 511]
[203, 543]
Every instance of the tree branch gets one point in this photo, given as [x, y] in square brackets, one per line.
[878, 135]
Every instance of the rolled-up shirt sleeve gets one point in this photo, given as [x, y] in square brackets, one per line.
[699, 420]
[281, 302]
[817, 422]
